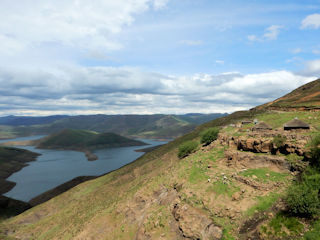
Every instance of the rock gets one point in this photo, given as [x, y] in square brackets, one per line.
[195, 224]
[254, 177]
[236, 196]
[267, 175]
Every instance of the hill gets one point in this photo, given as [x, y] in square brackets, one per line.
[85, 140]
[27, 121]
[138, 126]
[306, 97]
[12, 160]
[233, 188]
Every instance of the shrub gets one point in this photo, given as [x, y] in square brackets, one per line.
[303, 200]
[315, 151]
[279, 140]
[186, 148]
[209, 135]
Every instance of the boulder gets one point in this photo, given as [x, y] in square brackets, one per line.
[194, 224]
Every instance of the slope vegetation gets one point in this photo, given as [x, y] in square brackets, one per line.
[306, 97]
[143, 126]
[233, 188]
[82, 139]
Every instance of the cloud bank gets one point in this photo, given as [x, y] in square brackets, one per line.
[110, 90]
[76, 24]
[311, 21]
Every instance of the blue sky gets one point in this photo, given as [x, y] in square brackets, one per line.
[153, 56]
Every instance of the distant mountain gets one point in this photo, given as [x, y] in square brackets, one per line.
[143, 126]
[198, 118]
[27, 121]
[306, 97]
[85, 140]
[221, 191]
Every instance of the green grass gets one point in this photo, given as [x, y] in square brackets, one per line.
[226, 189]
[263, 203]
[314, 233]
[261, 174]
[74, 139]
[100, 196]
[226, 235]
[282, 227]
[278, 119]
[197, 174]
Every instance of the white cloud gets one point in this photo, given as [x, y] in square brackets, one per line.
[76, 90]
[312, 68]
[316, 51]
[296, 50]
[312, 21]
[252, 38]
[271, 33]
[221, 62]
[78, 24]
[159, 4]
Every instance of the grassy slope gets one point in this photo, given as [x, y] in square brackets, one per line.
[307, 95]
[94, 205]
[119, 204]
[100, 197]
[82, 139]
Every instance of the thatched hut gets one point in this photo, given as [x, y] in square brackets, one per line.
[244, 122]
[261, 126]
[296, 124]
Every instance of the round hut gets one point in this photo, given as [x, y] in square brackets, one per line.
[296, 124]
[261, 126]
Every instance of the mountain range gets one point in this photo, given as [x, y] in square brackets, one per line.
[142, 126]
[236, 187]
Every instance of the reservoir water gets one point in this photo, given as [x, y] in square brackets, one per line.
[54, 167]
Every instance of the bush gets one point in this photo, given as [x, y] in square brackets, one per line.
[186, 148]
[303, 200]
[279, 140]
[209, 135]
[315, 151]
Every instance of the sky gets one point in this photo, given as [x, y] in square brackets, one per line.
[153, 56]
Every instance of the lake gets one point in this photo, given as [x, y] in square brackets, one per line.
[55, 167]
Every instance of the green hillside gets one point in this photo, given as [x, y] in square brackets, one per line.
[142, 126]
[83, 139]
[306, 96]
[234, 188]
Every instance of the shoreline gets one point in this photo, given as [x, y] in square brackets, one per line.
[13, 166]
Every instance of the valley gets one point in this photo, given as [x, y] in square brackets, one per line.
[157, 126]
[235, 187]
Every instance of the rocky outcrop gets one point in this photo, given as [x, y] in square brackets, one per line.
[90, 155]
[249, 160]
[194, 224]
[263, 143]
